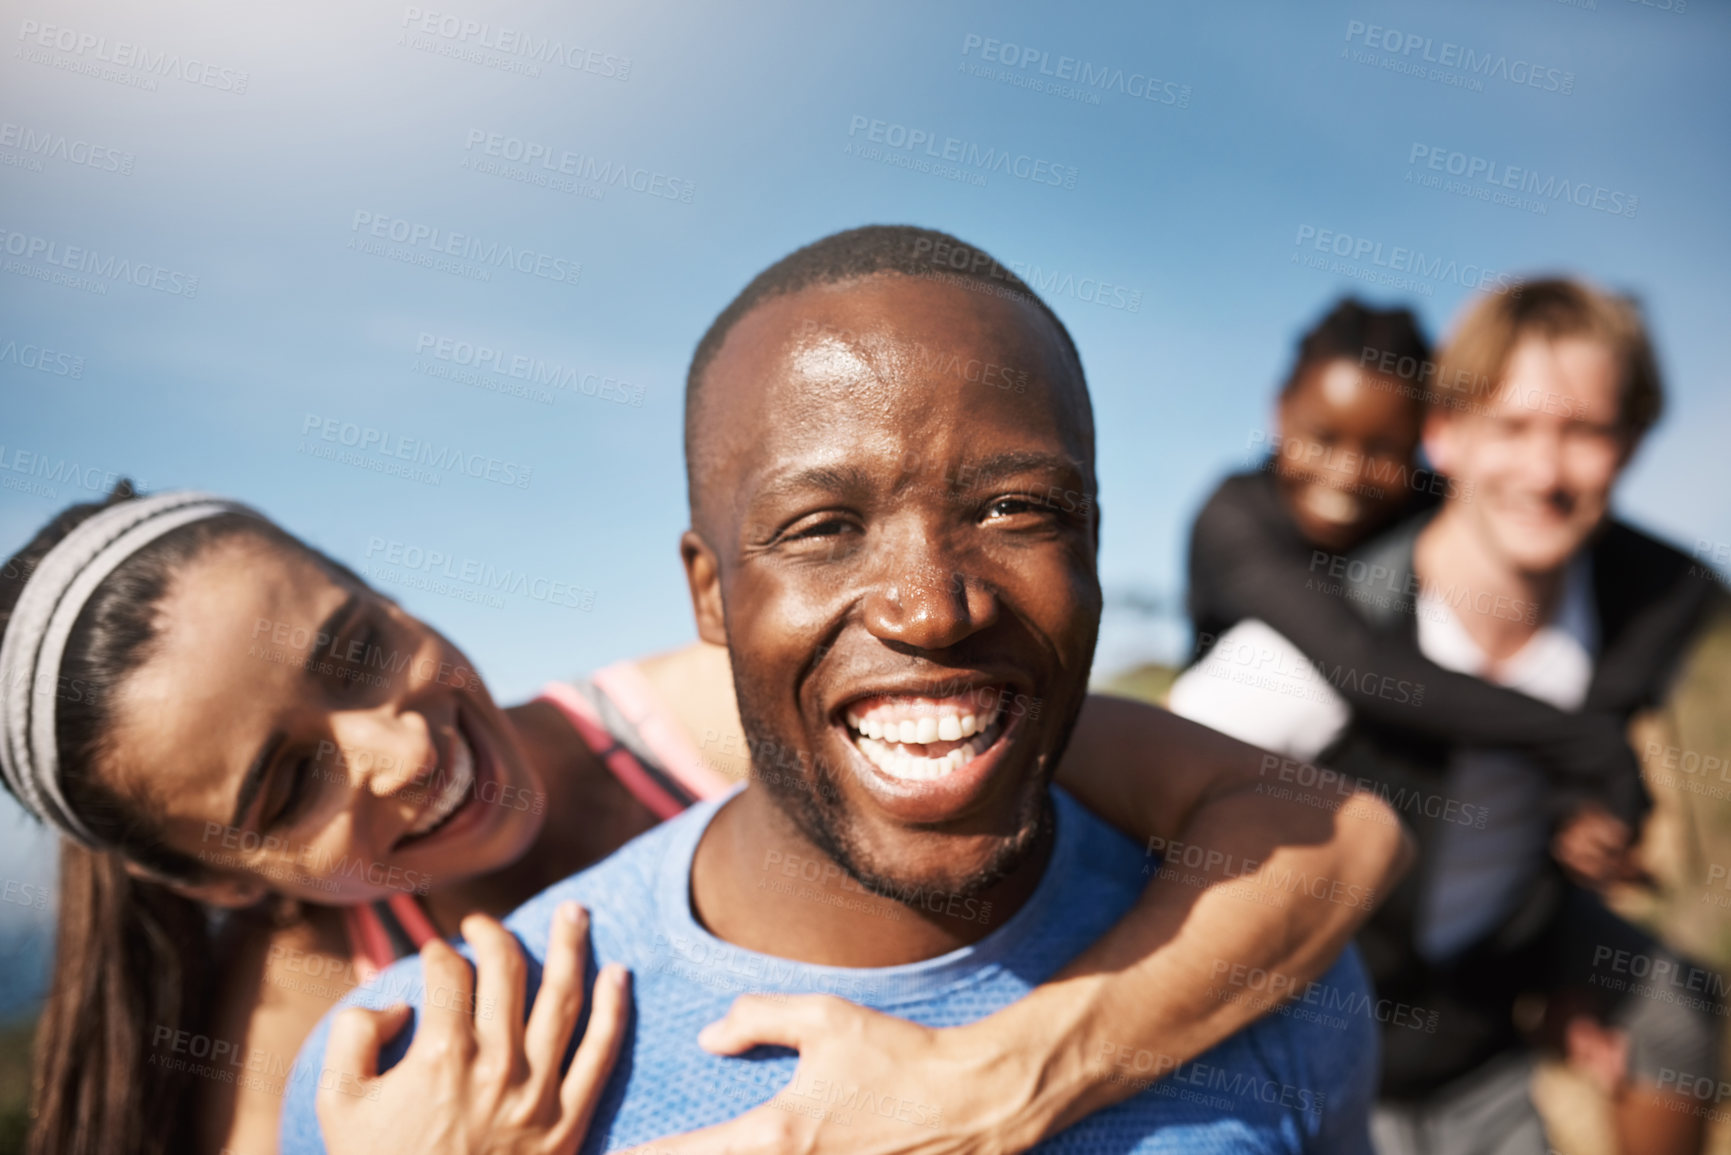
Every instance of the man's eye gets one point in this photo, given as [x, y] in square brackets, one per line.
[823, 529]
[1014, 506]
[817, 528]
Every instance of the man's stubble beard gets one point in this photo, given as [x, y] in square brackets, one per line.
[811, 798]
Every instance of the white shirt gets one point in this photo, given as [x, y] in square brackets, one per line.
[1258, 687]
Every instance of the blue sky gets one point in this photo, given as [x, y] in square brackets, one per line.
[1272, 126]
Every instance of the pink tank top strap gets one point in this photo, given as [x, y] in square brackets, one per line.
[625, 684]
[382, 932]
[631, 773]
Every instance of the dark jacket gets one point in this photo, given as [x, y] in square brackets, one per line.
[1249, 560]
[1649, 600]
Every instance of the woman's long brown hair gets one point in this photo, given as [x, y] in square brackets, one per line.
[130, 968]
[116, 1069]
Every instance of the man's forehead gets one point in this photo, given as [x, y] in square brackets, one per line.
[1571, 375]
[869, 364]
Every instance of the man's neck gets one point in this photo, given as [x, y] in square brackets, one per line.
[758, 882]
[1455, 561]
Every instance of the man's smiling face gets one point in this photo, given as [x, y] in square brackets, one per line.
[900, 555]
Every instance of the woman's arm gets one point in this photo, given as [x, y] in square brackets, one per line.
[1227, 904]
[1152, 983]
[1250, 569]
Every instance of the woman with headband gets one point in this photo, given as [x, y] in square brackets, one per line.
[244, 747]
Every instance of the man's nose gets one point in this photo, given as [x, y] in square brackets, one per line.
[923, 596]
[1541, 456]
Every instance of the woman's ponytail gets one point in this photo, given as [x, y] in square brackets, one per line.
[113, 1065]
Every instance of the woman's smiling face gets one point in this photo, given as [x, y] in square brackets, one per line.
[1348, 440]
[293, 731]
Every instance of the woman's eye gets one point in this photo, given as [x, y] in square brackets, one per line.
[296, 786]
[353, 657]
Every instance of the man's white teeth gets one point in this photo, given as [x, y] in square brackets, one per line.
[459, 777]
[922, 722]
[891, 731]
[949, 728]
[914, 768]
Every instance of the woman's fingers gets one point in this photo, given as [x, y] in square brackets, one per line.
[450, 985]
[597, 1052]
[760, 1021]
[559, 1002]
[358, 1034]
[500, 977]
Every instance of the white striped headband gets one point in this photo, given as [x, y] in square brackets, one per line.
[35, 642]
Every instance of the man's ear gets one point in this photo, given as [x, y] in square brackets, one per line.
[227, 891]
[1441, 431]
[703, 576]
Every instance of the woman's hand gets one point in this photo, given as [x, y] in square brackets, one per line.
[868, 1084]
[475, 1079]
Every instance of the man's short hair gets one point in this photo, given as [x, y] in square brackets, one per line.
[1471, 364]
[850, 255]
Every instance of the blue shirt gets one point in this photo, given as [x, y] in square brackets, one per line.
[1287, 1083]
